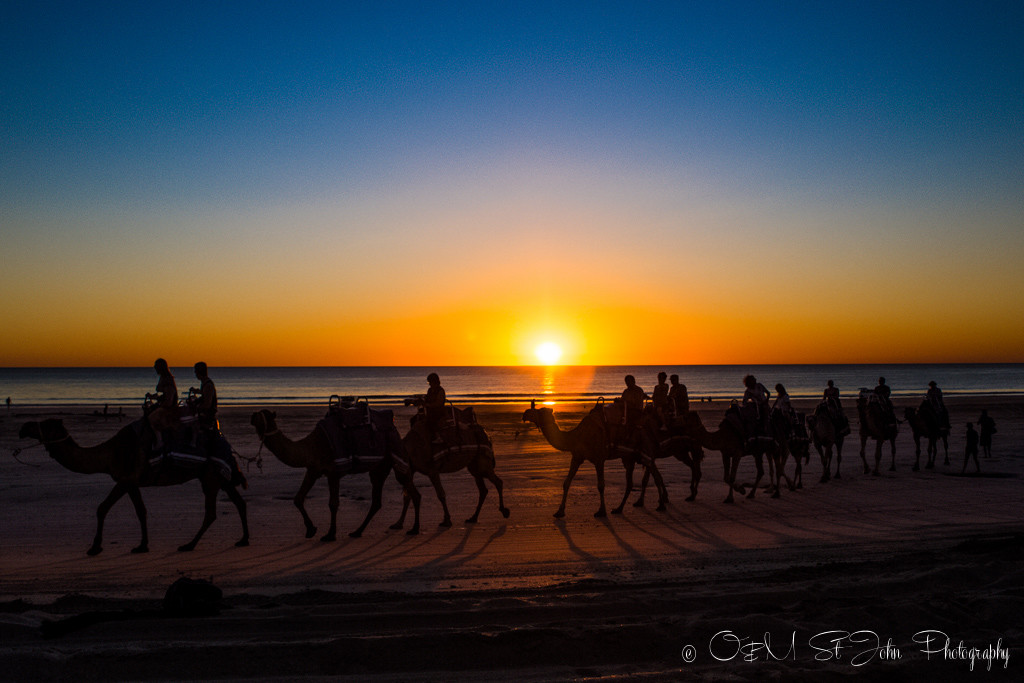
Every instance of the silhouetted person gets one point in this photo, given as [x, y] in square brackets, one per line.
[206, 405]
[755, 404]
[164, 415]
[988, 427]
[659, 397]
[783, 405]
[433, 406]
[971, 448]
[835, 408]
[677, 395]
[633, 398]
[883, 392]
[934, 398]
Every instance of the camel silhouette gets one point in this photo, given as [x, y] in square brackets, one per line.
[315, 455]
[469, 448]
[924, 423]
[122, 458]
[826, 434]
[590, 441]
[877, 424]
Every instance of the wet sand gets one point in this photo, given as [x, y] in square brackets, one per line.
[529, 597]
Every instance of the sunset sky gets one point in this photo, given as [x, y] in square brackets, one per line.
[432, 183]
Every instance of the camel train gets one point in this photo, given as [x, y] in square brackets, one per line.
[354, 439]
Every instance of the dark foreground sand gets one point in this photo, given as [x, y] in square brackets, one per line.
[678, 595]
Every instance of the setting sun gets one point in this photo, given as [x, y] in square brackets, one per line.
[548, 353]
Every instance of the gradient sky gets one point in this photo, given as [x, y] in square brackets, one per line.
[414, 183]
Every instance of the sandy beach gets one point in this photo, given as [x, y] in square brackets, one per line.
[863, 575]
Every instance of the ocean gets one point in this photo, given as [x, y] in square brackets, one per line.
[271, 386]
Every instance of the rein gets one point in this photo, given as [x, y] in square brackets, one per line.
[17, 451]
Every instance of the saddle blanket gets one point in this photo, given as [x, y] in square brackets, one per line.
[359, 435]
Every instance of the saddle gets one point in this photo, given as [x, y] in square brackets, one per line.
[356, 434]
[188, 447]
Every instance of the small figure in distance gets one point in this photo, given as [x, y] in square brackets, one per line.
[206, 405]
[678, 397]
[971, 449]
[659, 398]
[934, 397]
[988, 428]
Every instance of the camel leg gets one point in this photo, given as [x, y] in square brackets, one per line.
[878, 456]
[863, 447]
[945, 449]
[482, 488]
[730, 476]
[574, 466]
[499, 486]
[235, 497]
[140, 512]
[101, 514]
[643, 489]
[892, 449]
[409, 493]
[599, 466]
[377, 482]
[652, 468]
[917, 455]
[435, 480]
[695, 475]
[210, 489]
[758, 462]
[839, 457]
[300, 501]
[628, 464]
[333, 484]
[405, 508]
[825, 454]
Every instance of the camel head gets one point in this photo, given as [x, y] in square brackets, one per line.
[47, 431]
[265, 422]
[533, 413]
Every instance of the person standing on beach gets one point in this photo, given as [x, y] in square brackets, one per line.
[206, 406]
[677, 396]
[988, 428]
[971, 449]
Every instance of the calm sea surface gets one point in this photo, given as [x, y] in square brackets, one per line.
[314, 385]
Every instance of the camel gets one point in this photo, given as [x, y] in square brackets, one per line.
[925, 423]
[876, 424]
[826, 434]
[477, 457]
[314, 453]
[791, 440]
[589, 441]
[122, 458]
[674, 440]
[729, 440]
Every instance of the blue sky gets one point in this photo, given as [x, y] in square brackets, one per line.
[721, 122]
